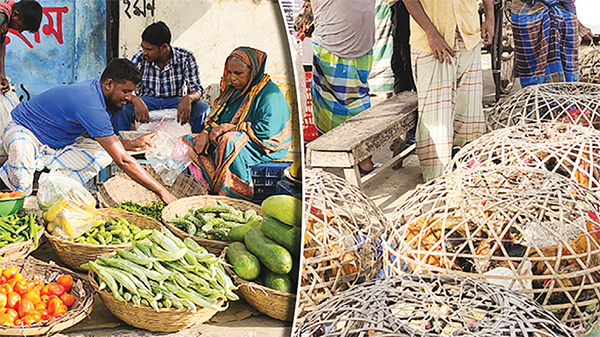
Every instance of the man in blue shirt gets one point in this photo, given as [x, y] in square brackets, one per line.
[166, 72]
[48, 131]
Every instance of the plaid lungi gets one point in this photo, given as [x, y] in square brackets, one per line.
[81, 160]
[450, 105]
[381, 77]
[546, 42]
[339, 89]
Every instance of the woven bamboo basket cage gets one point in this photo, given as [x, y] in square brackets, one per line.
[273, 303]
[343, 227]
[533, 231]
[430, 305]
[570, 150]
[75, 254]
[121, 188]
[589, 64]
[48, 272]
[573, 102]
[139, 316]
[182, 206]
[21, 250]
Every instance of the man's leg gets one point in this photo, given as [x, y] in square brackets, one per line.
[403, 77]
[200, 111]
[22, 148]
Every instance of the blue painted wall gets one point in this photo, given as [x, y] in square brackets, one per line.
[69, 47]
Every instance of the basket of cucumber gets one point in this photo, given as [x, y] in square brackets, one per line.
[20, 234]
[208, 219]
[265, 259]
[162, 284]
[113, 229]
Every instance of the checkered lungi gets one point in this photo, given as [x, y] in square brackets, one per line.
[450, 105]
[81, 160]
[339, 89]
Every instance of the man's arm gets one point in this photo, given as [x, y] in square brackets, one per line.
[132, 168]
[487, 26]
[439, 47]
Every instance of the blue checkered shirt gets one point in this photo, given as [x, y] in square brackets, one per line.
[179, 74]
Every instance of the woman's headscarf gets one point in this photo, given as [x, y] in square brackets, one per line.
[255, 60]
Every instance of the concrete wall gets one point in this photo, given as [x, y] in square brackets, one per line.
[69, 47]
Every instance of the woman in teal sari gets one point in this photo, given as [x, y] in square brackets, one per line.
[249, 125]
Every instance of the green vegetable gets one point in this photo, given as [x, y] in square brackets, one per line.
[244, 263]
[153, 210]
[238, 233]
[273, 256]
[284, 208]
[287, 236]
[279, 282]
[111, 232]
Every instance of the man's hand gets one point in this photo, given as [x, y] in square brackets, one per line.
[184, 109]
[141, 110]
[138, 144]
[201, 143]
[487, 30]
[584, 32]
[440, 48]
[4, 85]
[167, 197]
[219, 130]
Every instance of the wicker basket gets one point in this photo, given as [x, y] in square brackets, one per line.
[182, 206]
[531, 230]
[121, 188]
[273, 303]
[589, 64]
[75, 254]
[428, 305]
[570, 150]
[573, 102]
[48, 272]
[340, 243]
[165, 320]
[21, 250]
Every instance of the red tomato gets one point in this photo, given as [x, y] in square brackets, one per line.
[67, 299]
[13, 300]
[21, 287]
[12, 313]
[53, 305]
[5, 288]
[33, 295]
[66, 281]
[3, 300]
[24, 307]
[10, 272]
[60, 311]
[56, 289]
[43, 314]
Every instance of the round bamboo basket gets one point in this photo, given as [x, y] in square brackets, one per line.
[568, 102]
[570, 150]
[343, 227]
[182, 206]
[530, 230]
[75, 254]
[122, 188]
[21, 250]
[428, 305]
[165, 320]
[273, 303]
[589, 64]
[49, 272]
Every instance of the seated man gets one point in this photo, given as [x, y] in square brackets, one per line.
[165, 70]
[46, 132]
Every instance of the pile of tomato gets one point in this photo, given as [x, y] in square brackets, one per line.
[24, 302]
[10, 195]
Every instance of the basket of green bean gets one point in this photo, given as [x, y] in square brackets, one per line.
[113, 229]
[162, 284]
[207, 219]
[20, 234]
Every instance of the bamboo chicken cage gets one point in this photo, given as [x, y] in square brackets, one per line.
[572, 102]
[531, 230]
[343, 227]
[570, 150]
[589, 64]
[428, 305]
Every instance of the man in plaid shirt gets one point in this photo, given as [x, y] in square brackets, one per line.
[167, 73]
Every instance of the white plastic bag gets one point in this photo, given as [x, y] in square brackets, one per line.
[67, 206]
[164, 120]
[168, 156]
[7, 102]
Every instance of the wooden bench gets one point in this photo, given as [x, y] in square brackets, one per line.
[361, 136]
